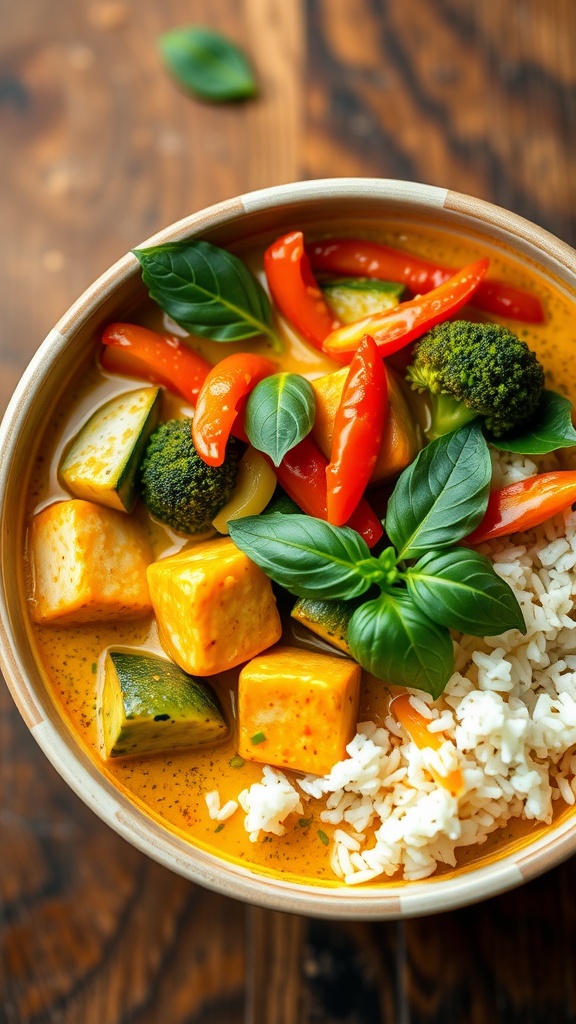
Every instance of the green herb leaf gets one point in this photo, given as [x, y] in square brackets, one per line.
[323, 837]
[257, 738]
[236, 761]
[207, 290]
[550, 428]
[219, 827]
[305, 822]
[460, 589]
[397, 642]
[207, 64]
[279, 413]
[443, 494]
[307, 556]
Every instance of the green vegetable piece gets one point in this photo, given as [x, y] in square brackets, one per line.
[207, 290]
[550, 428]
[219, 827]
[257, 738]
[460, 589]
[307, 556]
[279, 413]
[329, 620]
[177, 486]
[398, 643]
[101, 465]
[150, 705]
[477, 369]
[353, 298]
[323, 837]
[208, 64]
[280, 502]
[442, 496]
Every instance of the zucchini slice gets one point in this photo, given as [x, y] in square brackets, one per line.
[102, 463]
[327, 619]
[148, 705]
[353, 298]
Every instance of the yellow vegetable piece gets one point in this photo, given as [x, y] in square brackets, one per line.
[297, 709]
[400, 441]
[254, 488]
[89, 564]
[214, 607]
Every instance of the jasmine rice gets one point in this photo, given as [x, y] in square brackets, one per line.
[507, 719]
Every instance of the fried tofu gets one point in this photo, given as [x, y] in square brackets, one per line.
[298, 709]
[214, 607]
[89, 564]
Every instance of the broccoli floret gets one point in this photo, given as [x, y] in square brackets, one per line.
[476, 369]
[177, 486]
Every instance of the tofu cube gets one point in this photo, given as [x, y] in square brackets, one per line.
[89, 564]
[298, 709]
[214, 607]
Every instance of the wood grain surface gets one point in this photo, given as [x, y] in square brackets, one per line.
[98, 149]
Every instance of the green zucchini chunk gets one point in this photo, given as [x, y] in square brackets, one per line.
[327, 619]
[102, 463]
[353, 298]
[149, 705]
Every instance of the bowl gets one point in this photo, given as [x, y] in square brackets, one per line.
[111, 297]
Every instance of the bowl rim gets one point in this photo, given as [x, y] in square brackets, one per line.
[392, 900]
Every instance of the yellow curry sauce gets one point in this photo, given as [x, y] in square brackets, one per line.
[172, 787]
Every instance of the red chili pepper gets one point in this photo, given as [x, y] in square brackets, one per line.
[295, 291]
[351, 256]
[358, 430]
[302, 474]
[395, 328]
[159, 358]
[217, 406]
[525, 504]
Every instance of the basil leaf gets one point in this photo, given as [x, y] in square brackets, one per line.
[551, 428]
[279, 413]
[207, 290]
[207, 63]
[460, 589]
[397, 642]
[307, 556]
[443, 494]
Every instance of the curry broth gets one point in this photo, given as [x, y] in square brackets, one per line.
[171, 788]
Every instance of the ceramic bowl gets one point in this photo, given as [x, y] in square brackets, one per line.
[110, 298]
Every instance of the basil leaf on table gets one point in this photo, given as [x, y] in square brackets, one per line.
[207, 64]
[550, 429]
[460, 589]
[442, 496]
[397, 642]
[307, 556]
[279, 413]
[207, 290]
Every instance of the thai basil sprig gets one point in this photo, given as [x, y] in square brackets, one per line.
[420, 587]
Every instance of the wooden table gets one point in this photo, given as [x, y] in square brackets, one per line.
[98, 150]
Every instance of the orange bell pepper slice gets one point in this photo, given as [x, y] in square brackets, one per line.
[417, 728]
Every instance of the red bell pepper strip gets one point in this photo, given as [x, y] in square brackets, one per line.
[159, 358]
[351, 257]
[394, 328]
[525, 504]
[219, 401]
[302, 474]
[358, 430]
[295, 291]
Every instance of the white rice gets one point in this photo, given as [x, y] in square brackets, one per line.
[507, 716]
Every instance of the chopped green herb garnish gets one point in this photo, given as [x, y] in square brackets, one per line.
[323, 837]
[237, 761]
[94, 668]
[258, 737]
[305, 822]
[219, 827]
